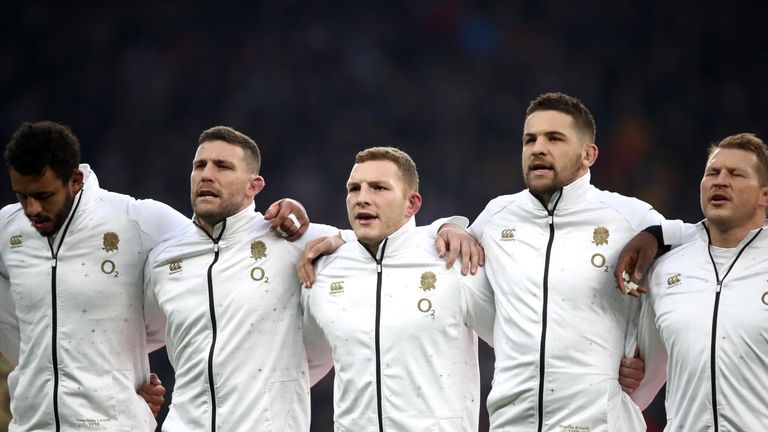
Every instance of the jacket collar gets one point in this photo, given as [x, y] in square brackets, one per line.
[702, 231]
[82, 200]
[235, 223]
[396, 241]
[572, 195]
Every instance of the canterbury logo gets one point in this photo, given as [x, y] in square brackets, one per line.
[673, 280]
[175, 267]
[337, 287]
[16, 241]
[508, 234]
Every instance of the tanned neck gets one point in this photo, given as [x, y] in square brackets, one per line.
[729, 238]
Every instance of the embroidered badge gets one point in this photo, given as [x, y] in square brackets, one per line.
[508, 234]
[111, 240]
[428, 280]
[600, 236]
[16, 241]
[258, 250]
[674, 280]
[337, 287]
[175, 266]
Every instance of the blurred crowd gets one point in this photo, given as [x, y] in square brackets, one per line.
[448, 82]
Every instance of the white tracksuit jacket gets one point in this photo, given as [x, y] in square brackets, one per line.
[234, 332]
[713, 322]
[400, 329]
[83, 352]
[561, 325]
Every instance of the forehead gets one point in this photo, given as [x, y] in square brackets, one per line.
[33, 183]
[219, 150]
[375, 171]
[548, 121]
[733, 158]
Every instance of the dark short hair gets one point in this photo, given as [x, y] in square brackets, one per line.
[40, 145]
[748, 142]
[401, 159]
[561, 102]
[231, 136]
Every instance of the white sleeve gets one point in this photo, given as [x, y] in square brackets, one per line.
[434, 227]
[10, 339]
[479, 303]
[319, 353]
[154, 318]
[156, 220]
[493, 207]
[316, 230]
[676, 232]
[648, 218]
[652, 352]
[348, 235]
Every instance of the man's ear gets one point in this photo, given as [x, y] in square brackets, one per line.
[76, 181]
[763, 197]
[414, 204]
[590, 154]
[255, 185]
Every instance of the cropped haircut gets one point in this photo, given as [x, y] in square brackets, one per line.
[748, 142]
[40, 145]
[231, 136]
[582, 118]
[404, 163]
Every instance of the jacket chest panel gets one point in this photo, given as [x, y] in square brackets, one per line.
[580, 262]
[415, 303]
[684, 301]
[98, 272]
[243, 287]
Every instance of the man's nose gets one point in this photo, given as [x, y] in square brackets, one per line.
[32, 207]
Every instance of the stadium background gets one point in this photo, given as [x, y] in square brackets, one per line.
[314, 82]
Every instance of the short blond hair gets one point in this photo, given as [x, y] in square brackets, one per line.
[401, 159]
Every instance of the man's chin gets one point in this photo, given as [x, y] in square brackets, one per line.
[46, 231]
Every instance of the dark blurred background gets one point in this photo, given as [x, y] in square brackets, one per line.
[314, 82]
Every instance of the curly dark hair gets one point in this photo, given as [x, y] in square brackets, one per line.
[35, 146]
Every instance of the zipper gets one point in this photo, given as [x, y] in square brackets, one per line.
[545, 302]
[713, 343]
[377, 331]
[212, 311]
[54, 315]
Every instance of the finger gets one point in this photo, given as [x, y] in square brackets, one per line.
[481, 256]
[302, 218]
[624, 264]
[630, 374]
[643, 262]
[149, 396]
[281, 219]
[273, 210]
[300, 272]
[440, 245]
[154, 379]
[309, 274]
[299, 232]
[466, 255]
[305, 270]
[627, 390]
[454, 247]
[474, 256]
